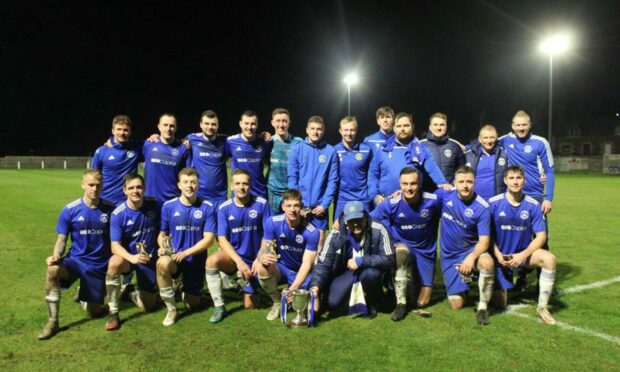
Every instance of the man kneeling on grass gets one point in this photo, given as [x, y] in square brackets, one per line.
[353, 262]
[288, 251]
[86, 220]
[187, 231]
[516, 219]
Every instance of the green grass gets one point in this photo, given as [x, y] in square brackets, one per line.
[584, 236]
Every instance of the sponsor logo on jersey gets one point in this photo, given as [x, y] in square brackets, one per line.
[197, 214]
[527, 149]
[359, 157]
[248, 160]
[80, 219]
[501, 161]
[253, 213]
[130, 222]
[447, 153]
[299, 239]
[187, 228]
[176, 214]
[322, 158]
[131, 154]
[469, 212]
[231, 218]
[244, 228]
[103, 218]
[514, 228]
[451, 218]
[111, 157]
[91, 232]
[425, 213]
[524, 215]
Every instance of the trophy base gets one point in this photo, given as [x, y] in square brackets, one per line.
[297, 324]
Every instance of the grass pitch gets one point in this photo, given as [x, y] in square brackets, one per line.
[584, 236]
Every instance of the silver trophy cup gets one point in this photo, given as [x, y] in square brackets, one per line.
[299, 304]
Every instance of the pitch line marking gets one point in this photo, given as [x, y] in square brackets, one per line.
[585, 287]
[512, 311]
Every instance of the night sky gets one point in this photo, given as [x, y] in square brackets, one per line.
[67, 68]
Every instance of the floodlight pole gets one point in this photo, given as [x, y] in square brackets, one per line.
[348, 99]
[550, 93]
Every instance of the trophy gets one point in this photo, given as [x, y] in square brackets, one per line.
[167, 248]
[270, 248]
[299, 304]
[464, 278]
[141, 247]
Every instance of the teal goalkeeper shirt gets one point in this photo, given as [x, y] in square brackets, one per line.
[277, 178]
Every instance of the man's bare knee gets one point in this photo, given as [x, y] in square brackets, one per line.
[164, 265]
[115, 265]
[485, 262]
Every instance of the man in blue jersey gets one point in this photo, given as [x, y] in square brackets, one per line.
[413, 219]
[399, 151]
[86, 220]
[115, 161]
[250, 152]
[385, 121]
[134, 226]
[188, 229]
[353, 160]
[489, 160]
[282, 142]
[163, 160]
[464, 239]
[533, 154]
[360, 252]
[240, 222]
[208, 156]
[519, 235]
[288, 251]
[447, 152]
[313, 170]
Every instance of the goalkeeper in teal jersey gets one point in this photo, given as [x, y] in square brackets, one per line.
[282, 143]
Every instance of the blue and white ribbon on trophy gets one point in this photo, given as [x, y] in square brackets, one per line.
[284, 308]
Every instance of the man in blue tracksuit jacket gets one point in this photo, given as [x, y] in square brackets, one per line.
[400, 151]
[353, 163]
[489, 160]
[313, 170]
[361, 250]
[447, 152]
[385, 121]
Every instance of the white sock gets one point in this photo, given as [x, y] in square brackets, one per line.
[113, 288]
[545, 282]
[52, 296]
[485, 286]
[270, 286]
[167, 295]
[400, 286]
[214, 283]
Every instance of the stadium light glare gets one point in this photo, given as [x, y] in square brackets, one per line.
[350, 79]
[553, 45]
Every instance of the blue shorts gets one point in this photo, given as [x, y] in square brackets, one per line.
[452, 279]
[340, 207]
[321, 223]
[424, 268]
[503, 276]
[146, 276]
[287, 276]
[193, 274]
[92, 279]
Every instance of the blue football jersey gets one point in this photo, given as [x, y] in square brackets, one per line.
[243, 226]
[291, 243]
[514, 226]
[162, 163]
[209, 159]
[413, 225]
[252, 157]
[353, 172]
[186, 224]
[89, 229]
[462, 223]
[130, 226]
[114, 163]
